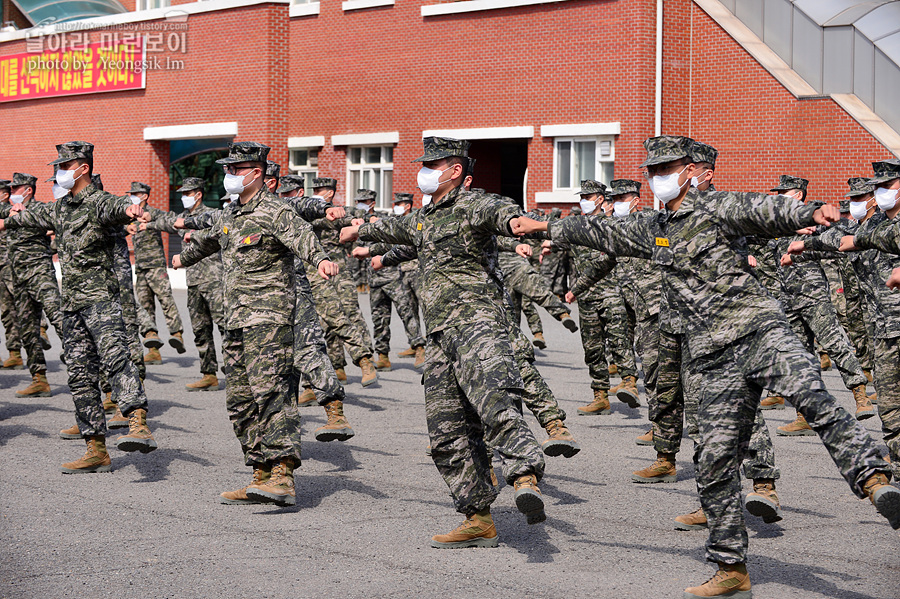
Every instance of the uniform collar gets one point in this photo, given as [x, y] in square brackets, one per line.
[254, 201]
[81, 195]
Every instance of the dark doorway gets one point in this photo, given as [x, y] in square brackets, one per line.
[500, 166]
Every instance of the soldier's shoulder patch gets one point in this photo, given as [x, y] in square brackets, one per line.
[662, 242]
[251, 239]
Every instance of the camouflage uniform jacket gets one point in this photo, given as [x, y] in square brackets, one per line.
[148, 248]
[707, 289]
[81, 223]
[591, 269]
[207, 272]
[457, 249]
[640, 279]
[329, 234]
[28, 248]
[258, 241]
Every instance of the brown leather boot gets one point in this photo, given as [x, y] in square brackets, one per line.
[209, 382]
[873, 399]
[407, 353]
[153, 356]
[477, 530]
[307, 398]
[177, 341]
[693, 521]
[772, 402]
[645, 439]
[868, 374]
[14, 362]
[884, 497]
[798, 428]
[139, 437]
[627, 392]
[864, 407]
[599, 406]
[824, 361]
[613, 369]
[763, 501]
[337, 428]
[109, 405]
[260, 475]
[419, 364]
[279, 489]
[529, 500]
[731, 580]
[341, 374]
[660, 471]
[383, 362]
[369, 374]
[95, 459]
[118, 420]
[567, 322]
[539, 341]
[70, 433]
[152, 340]
[560, 440]
[39, 387]
[45, 340]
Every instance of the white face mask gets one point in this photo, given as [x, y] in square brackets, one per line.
[428, 179]
[694, 180]
[66, 179]
[188, 201]
[587, 206]
[17, 199]
[399, 210]
[233, 197]
[886, 198]
[364, 206]
[858, 210]
[426, 199]
[58, 192]
[666, 187]
[134, 199]
[622, 209]
[234, 183]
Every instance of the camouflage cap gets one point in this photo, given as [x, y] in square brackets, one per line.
[97, 182]
[5, 183]
[324, 182]
[402, 197]
[245, 151]
[859, 186]
[22, 179]
[575, 211]
[53, 178]
[73, 150]
[470, 168]
[589, 186]
[191, 183]
[364, 195]
[844, 206]
[619, 187]
[788, 182]
[273, 169]
[885, 170]
[701, 152]
[138, 187]
[667, 148]
[290, 183]
[438, 148]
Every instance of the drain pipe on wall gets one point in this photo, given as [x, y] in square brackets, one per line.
[657, 116]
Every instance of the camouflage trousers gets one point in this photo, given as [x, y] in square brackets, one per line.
[598, 321]
[854, 322]
[887, 385]
[122, 266]
[537, 396]
[409, 281]
[261, 392]
[472, 387]
[531, 314]
[733, 380]
[151, 285]
[9, 315]
[206, 310]
[647, 340]
[381, 299]
[311, 363]
[38, 292]
[341, 329]
[525, 282]
[94, 340]
[819, 322]
[555, 270]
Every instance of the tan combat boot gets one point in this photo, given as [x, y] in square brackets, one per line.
[177, 341]
[95, 459]
[152, 340]
[279, 488]
[613, 369]
[529, 500]
[599, 406]
[560, 440]
[772, 402]
[730, 581]
[763, 501]
[824, 361]
[539, 341]
[109, 405]
[407, 353]
[884, 497]
[627, 392]
[14, 362]
[260, 475]
[341, 374]
[868, 374]
[798, 428]
[307, 398]
[118, 420]
[864, 407]
[209, 382]
[660, 471]
[45, 340]
[476, 531]
[645, 439]
[873, 399]
[369, 374]
[139, 437]
[567, 322]
[70, 433]
[39, 387]
[337, 428]
[693, 521]
[153, 356]
[419, 364]
[383, 362]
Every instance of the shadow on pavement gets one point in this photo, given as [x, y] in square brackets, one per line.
[154, 467]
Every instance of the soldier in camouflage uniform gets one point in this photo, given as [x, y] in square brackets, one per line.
[258, 237]
[152, 281]
[735, 334]
[8, 312]
[204, 281]
[472, 381]
[556, 266]
[93, 332]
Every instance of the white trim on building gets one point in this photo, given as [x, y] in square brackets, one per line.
[312, 141]
[452, 8]
[348, 5]
[524, 132]
[581, 129]
[303, 9]
[194, 131]
[366, 139]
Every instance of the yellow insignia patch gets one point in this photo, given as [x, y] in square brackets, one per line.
[226, 230]
[662, 242]
[419, 227]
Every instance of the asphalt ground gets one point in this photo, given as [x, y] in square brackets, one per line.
[366, 509]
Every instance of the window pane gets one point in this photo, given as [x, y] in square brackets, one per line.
[355, 155]
[313, 158]
[308, 177]
[354, 185]
[387, 190]
[563, 164]
[585, 159]
[388, 154]
[606, 172]
[373, 155]
[300, 157]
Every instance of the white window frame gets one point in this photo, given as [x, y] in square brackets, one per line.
[146, 4]
[567, 194]
[383, 201]
[308, 171]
